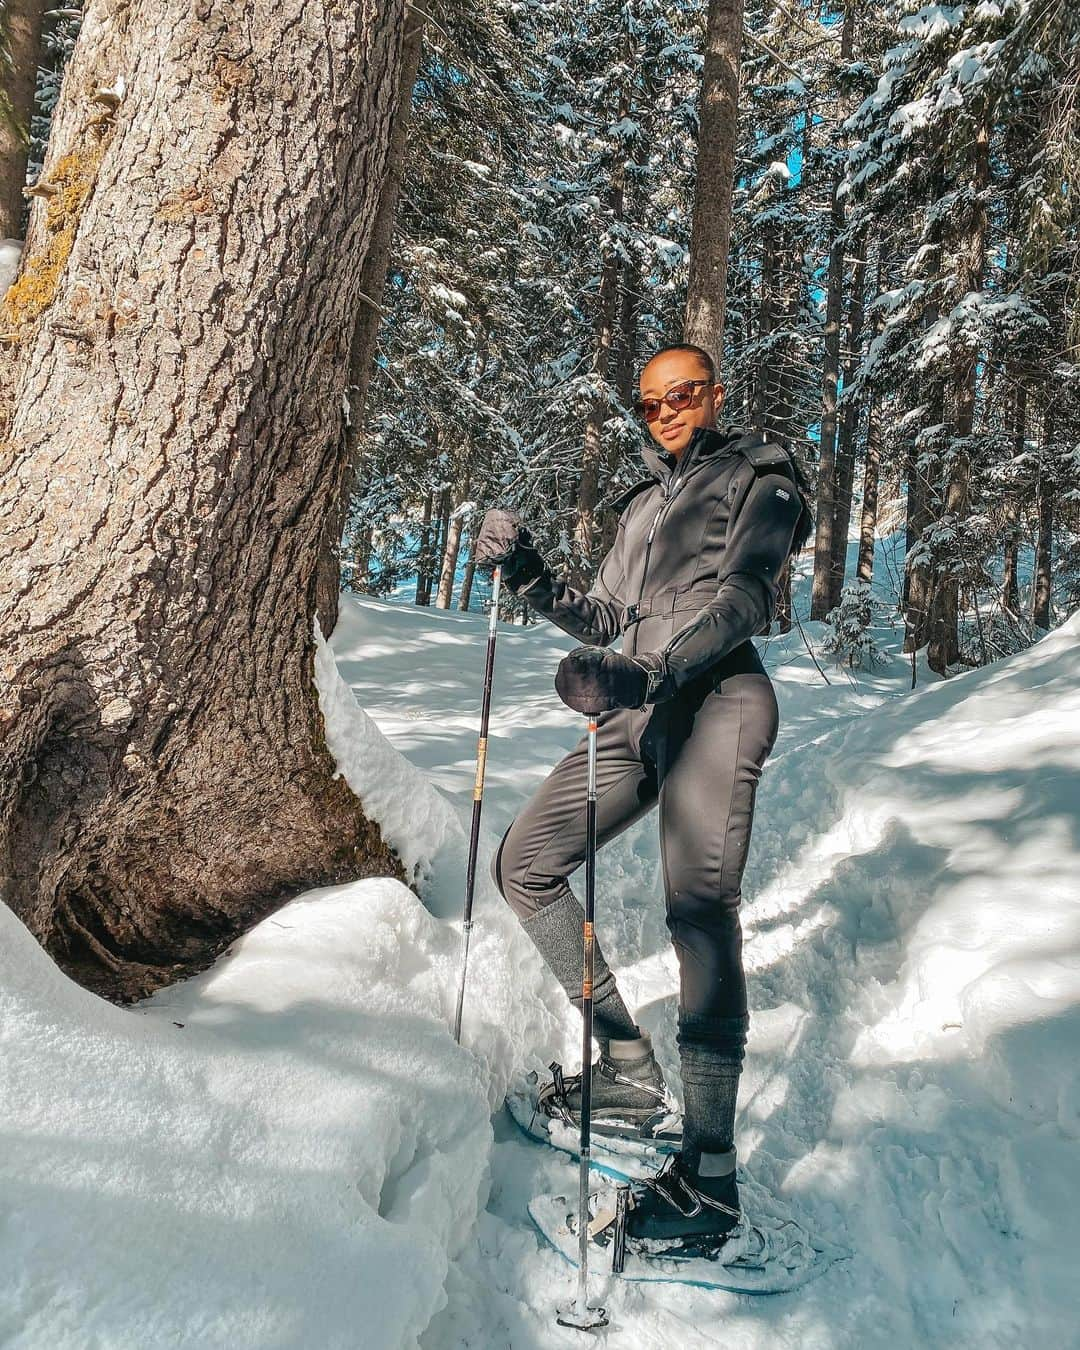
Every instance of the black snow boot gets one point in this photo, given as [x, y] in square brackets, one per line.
[692, 1200]
[629, 1095]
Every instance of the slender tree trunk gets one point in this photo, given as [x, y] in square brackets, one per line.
[630, 302]
[821, 593]
[22, 23]
[763, 379]
[1042, 591]
[849, 420]
[783, 605]
[423, 566]
[718, 123]
[868, 521]
[944, 647]
[451, 550]
[1010, 587]
[170, 409]
[366, 328]
[360, 576]
[872, 468]
[921, 498]
[442, 530]
[586, 531]
[465, 599]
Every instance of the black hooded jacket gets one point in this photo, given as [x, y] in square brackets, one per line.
[693, 571]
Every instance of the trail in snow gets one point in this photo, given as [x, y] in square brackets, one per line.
[912, 1006]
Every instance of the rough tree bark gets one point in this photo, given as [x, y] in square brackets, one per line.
[170, 436]
[22, 22]
[366, 330]
[718, 121]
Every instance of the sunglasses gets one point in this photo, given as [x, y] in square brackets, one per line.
[678, 397]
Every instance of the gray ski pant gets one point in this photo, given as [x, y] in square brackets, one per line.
[700, 755]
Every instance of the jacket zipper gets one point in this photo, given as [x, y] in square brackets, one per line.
[669, 496]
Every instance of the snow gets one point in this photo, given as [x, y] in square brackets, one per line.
[10, 253]
[308, 1159]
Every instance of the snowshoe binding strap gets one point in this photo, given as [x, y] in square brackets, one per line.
[669, 1181]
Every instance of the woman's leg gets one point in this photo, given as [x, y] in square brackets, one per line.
[710, 764]
[546, 843]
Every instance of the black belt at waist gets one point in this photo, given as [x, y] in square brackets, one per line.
[670, 602]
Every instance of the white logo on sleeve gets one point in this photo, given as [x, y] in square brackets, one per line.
[781, 493]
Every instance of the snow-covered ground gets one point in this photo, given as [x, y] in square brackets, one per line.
[290, 1151]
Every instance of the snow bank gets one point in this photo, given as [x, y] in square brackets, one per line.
[262, 1156]
[913, 944]
[288, 1150]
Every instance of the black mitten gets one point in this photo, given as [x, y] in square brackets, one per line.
[595, 679]
[500, 533]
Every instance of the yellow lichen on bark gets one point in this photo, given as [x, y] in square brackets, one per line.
[72, 178]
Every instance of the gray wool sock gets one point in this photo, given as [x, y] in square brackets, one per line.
[711, 1058]
[556, 931]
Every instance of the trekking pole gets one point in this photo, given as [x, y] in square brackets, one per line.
[478, 799]
[578, 1313]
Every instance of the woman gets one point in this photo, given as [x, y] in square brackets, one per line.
[688, 718]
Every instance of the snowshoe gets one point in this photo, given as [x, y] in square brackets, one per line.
[634, 1121]
[720, 1246]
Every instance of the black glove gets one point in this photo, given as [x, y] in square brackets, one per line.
[595, 679]
[500, 534]
[504, 542]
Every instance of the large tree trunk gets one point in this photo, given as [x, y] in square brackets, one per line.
[366, 330]
[718, 121]
[170, 434]
[21, 21]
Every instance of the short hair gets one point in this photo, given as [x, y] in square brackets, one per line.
[700, 352]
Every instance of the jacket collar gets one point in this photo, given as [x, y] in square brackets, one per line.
[704, 443]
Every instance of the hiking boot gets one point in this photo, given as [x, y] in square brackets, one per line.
[629, 1095]
[696, 1203]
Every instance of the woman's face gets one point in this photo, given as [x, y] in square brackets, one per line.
[672, 428]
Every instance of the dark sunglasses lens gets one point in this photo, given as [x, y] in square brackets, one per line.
[649, 409]
[680, 398]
